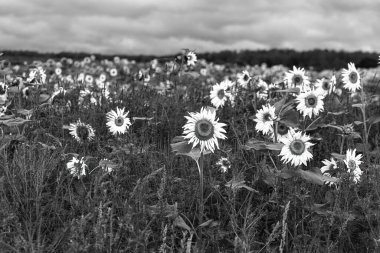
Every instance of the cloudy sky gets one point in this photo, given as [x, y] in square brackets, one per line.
[165, 27]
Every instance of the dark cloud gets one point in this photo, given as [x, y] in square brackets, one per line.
[165, 27]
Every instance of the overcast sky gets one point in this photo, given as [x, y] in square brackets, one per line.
[165, 27]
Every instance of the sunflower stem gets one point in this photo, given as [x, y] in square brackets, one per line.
[201, 206]
[365, 134]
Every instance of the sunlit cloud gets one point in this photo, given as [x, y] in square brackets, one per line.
[165, 27]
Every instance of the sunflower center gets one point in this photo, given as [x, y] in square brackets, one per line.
[2, 90]
[119, 121]
[297, 79]
[267, 117]
[351, 164]
[246, 77]
[311, 101]
[204, 130]
[282, 129]
[353, 76]
[82, 132]
[221, 94]
[297, 147]
[326, 85]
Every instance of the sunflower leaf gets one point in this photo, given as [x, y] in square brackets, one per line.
[184, 148]
[314, 176]
[374, 119]
[262, 145]
[14, 122]
[293, 90]
[179, 222]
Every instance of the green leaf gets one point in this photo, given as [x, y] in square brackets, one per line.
[359, 105]
[108, 163]
[43, 97]
[313, 176]
[192, 74]
[292, 90]
[337, 113]
[179, 222]
[338, 156]
[373, 120]
[238, 182]
[262, 145]
[182, 147]
[14, 122]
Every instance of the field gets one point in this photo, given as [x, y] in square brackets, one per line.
[184, 155]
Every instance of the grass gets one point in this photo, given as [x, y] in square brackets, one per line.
[150, 201]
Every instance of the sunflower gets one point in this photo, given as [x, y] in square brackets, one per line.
[352, 162]
[329, 165]
[82, 131]
[102, 77]
[202, 128]
[191, 58]
[58, 71]
[113, 72]
[3, 92]
[282, 131]
[263, 88]
[310, 103]
[243, 78]
[219, 94]
[89, 79]
[37, 75]
[297, 78]
[325, 86]
[118, 121]
[264, 119]
[351, 78]
[77, 167]
[296, 148]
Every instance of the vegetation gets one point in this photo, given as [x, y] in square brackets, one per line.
[70, 186]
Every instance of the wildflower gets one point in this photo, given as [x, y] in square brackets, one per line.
[202, 128]
[107, 165]
[352, 162]
[117, 121]
[191, 58]
[310, 103]
[296, 148]
[77, 167]
[224, 164]
[219, 95]
[264, 119]
[297, 78]
[113, 72]
[351, 78]
[243, 78]
[81, 131]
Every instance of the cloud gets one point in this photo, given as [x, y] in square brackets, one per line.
[165, 27]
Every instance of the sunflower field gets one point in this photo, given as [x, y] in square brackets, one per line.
[184, 155]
